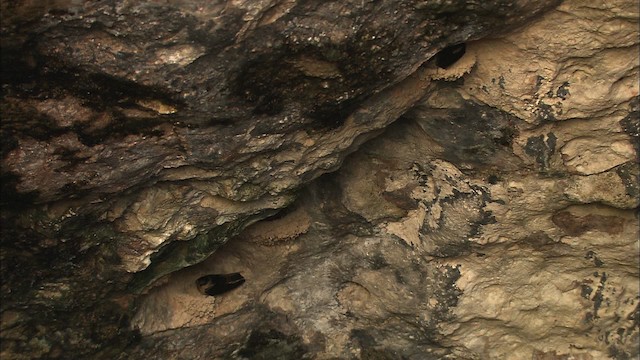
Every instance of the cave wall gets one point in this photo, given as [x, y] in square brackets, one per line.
[483, 210]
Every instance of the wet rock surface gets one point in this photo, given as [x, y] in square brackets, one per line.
[379, 205]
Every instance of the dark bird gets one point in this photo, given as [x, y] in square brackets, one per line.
[216, 284]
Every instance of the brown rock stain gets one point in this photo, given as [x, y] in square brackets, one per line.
[575, 225]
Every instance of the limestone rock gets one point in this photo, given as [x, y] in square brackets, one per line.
[480, 228]
[379, 206]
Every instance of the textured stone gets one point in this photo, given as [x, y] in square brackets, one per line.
[481, 210]
[587, 156]
[530, 274]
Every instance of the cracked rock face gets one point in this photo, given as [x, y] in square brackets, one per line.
[381, 202]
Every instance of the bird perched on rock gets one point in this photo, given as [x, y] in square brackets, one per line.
[216, 284]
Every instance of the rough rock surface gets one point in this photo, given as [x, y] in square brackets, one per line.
[487, 210]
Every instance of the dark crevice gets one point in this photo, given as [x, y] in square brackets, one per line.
[450, 55]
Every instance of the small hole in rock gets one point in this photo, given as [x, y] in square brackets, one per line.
[216, 284]
[449, 55]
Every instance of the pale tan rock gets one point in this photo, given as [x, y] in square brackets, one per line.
[409, 228]
[608, 188]
[287, 228]
[563, 72]
[542, 287]
[173, 307]
[589, 155]
[547, 297]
